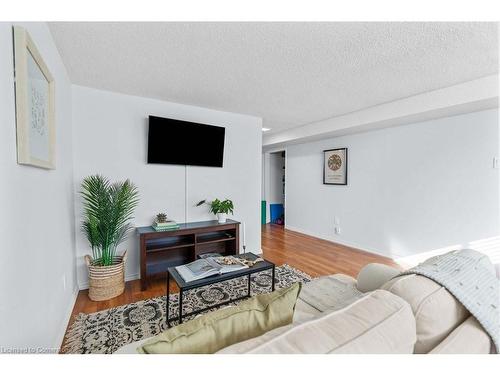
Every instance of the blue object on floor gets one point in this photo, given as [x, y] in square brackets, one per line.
[276, 210]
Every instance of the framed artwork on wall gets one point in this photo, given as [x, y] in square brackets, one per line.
[335, 166]
[35, 121]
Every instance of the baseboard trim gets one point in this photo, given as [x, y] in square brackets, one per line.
[341, 242]
[67, 315]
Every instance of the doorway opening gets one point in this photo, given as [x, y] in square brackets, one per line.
[276, 196]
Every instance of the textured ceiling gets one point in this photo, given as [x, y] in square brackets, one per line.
[289, 74]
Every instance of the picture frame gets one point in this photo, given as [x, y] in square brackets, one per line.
[335, 166]
[35, 104]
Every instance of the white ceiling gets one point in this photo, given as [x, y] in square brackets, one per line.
[289, 74]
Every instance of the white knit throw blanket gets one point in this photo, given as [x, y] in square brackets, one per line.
[470, 277]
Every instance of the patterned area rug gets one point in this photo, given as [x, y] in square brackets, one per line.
[106, 331]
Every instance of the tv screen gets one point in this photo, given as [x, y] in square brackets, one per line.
[186, 143]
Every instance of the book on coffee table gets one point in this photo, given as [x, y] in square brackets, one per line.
[201, 268]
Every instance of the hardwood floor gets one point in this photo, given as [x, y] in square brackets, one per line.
[309, 254]
[312, 255]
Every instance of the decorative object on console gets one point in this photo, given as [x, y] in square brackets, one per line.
[35, 114]
[108, 209]
[219, 208]
[161, 218]
[335, 166]
[162, 223]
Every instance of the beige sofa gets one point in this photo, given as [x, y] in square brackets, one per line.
[405, 314]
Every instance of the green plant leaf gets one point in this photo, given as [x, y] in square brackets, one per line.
[108, 208]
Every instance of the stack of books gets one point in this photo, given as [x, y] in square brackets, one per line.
[167, 225]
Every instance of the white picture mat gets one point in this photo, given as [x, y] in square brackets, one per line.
[38, 109]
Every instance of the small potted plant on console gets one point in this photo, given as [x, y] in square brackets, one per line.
[219, 208]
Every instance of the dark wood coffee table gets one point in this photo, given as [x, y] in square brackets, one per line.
[184, 286]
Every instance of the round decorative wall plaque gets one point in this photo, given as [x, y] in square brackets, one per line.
[334, 162]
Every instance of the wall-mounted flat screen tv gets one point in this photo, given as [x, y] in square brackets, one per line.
[173, 141]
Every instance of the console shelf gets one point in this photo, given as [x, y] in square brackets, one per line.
[160, 250]
[169, 242]
[214, 237]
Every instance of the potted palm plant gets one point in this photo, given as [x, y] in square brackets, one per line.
[108, 209]
[219, 208]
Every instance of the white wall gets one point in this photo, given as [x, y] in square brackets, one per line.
[37, 259]
[412, 188]
[110, 133]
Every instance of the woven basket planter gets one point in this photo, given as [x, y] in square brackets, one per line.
[106, 282]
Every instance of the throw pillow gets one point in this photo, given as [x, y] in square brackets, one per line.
[218, 329]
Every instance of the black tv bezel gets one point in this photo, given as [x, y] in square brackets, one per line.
[190, 123]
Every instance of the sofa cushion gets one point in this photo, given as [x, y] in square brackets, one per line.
[329, 293]
[437, 312]
[468, 338]
[224, 327]
[379, 322]
[304, 311]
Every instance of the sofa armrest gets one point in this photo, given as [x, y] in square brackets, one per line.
[374, 275]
